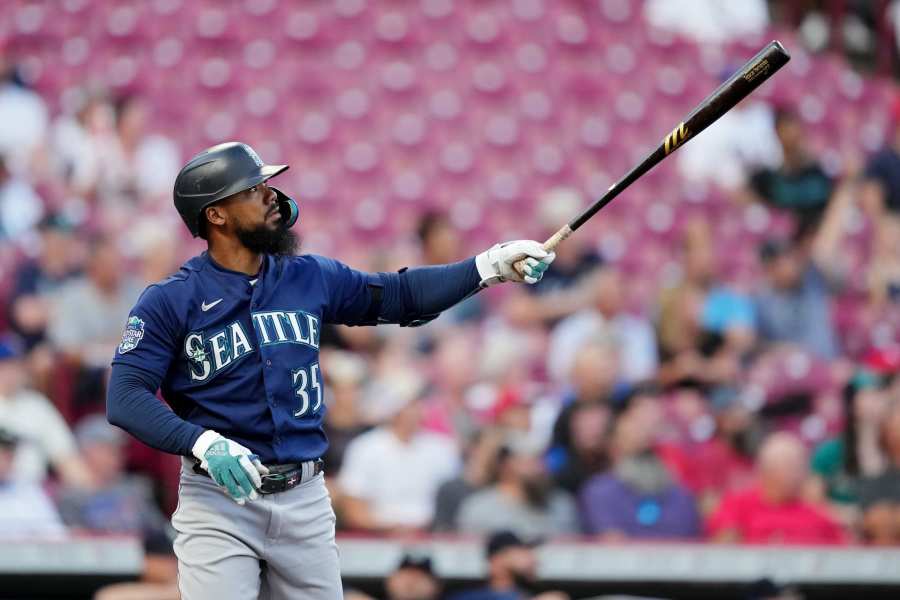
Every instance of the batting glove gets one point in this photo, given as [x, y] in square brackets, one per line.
[231, 465]
[496, 264]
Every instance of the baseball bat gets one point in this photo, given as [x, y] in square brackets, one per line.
[737, 87]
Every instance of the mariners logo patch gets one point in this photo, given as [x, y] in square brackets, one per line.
[134, 331]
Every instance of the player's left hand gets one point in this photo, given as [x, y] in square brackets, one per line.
[231, 465]
[496, 264]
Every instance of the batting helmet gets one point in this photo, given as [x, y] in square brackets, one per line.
[219, 172]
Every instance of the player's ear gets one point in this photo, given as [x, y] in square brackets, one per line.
[215, 215]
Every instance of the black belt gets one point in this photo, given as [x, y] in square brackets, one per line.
[282, 477]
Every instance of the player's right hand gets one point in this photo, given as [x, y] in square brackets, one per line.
[497, 263]
[231, 465]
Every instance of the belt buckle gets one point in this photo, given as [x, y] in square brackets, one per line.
[280, 482]
[271, 483]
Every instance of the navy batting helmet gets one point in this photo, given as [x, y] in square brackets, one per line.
[219, 172]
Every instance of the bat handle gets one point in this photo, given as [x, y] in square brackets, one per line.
[550, 245]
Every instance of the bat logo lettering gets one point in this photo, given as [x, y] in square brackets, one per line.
[760, 68]
[678, 136]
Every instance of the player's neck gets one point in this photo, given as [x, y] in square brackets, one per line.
[233, 255]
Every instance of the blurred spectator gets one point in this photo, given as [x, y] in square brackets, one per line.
[439, 239]
[44, 439]
[391, 474]
[25, 509]
[705, 327]
[708, 20]
[710, 465]
[453, 375]
[87, 317]
[480, 467]
[343, 421]
[512, 572]
[139, 165]
[38, 279]
[587, 454]
[522, 499]
[632, 334]
[638, 497]
[881, 185]
[413, 579]
[742, 141]
[794, 305]
[20, 206]
[766, 589]
[79, 144]
[441, 245]
[575, 261]
[884, 267]
[880, 494]
[840, 462]
[774, 510]
[112, 502]
[150, 242]
[24, 117]
[566, 287]
[593, 380]
[116, 503]
[799, 185]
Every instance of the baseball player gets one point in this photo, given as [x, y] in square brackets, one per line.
[232, 340]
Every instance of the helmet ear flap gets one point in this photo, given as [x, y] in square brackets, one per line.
[287, 207]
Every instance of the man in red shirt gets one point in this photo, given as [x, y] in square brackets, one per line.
[773, 510]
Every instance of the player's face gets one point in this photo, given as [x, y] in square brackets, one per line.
[253, 208]
[253, 217]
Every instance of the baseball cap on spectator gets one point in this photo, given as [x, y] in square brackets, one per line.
[413, 560]
[505, 539]
[95, 429]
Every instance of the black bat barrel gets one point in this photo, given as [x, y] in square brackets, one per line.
[737, 87]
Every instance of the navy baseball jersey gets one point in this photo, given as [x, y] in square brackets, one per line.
[240, 354]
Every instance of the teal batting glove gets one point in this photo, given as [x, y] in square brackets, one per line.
[534, 269]
[237, 470]
[498, 263]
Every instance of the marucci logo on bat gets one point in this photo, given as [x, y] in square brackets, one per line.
[678, 136]
[760, 68]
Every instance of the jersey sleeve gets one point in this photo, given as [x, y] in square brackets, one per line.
[348, 297]
[150, 339]
[408, 297]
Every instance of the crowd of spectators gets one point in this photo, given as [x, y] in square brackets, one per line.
[718, 410]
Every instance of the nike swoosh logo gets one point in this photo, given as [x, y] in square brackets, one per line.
[205, 307]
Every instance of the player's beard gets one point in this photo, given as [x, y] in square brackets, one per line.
[262, 239]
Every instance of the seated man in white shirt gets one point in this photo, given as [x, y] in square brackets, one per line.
[390, 475]
[44, 438]
[25, 509]
[608, 317]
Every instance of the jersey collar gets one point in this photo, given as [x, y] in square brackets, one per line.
[204, 259]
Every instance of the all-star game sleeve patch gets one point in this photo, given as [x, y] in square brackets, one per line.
[134, 331]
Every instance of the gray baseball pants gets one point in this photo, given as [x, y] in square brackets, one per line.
[278, 547]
